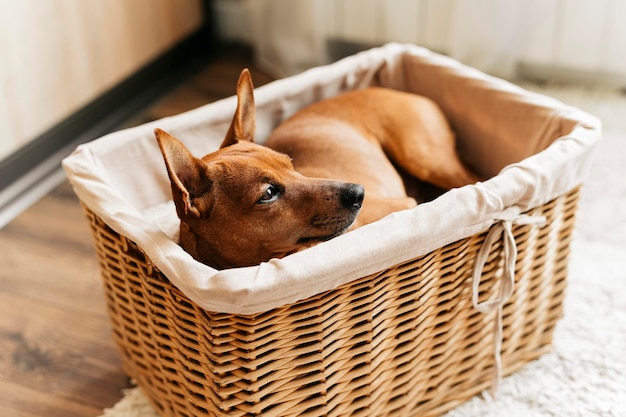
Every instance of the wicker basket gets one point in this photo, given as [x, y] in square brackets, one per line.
[408, 316]
[404, 341]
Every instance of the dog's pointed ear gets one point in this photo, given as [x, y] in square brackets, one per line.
[188, 176]
[243, 125]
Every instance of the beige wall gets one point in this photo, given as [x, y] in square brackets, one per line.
[57, 55]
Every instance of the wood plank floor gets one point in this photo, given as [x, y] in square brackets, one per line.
[57, 357]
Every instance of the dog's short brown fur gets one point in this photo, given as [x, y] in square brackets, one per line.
[321, 172]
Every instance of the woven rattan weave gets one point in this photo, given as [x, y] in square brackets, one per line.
[403, 342]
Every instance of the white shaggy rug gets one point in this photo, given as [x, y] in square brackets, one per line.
[585, 373]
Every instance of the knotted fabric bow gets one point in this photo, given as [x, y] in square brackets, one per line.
[501, 229]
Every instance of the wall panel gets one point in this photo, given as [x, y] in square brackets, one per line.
[614, 57]
[583, 34]
[57, 55]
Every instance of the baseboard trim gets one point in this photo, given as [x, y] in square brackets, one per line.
[552, 73]
[28, 189]
[35, 169]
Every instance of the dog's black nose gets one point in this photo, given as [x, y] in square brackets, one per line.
[352, 196]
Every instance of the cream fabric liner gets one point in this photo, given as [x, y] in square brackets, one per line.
[502, 129]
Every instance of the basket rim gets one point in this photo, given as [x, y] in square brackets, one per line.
[456, 214]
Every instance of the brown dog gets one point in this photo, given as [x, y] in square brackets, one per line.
[323, 171]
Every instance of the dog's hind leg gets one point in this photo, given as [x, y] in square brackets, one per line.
[424, 145]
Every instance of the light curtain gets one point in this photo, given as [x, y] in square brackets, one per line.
[290, 36]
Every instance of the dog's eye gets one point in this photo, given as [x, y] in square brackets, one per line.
[270, 195]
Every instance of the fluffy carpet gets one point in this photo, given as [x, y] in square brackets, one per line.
[585, 373]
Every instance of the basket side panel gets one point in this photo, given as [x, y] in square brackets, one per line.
[153, 326]
[541, 278]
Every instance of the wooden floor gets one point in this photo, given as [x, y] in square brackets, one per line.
[56, 354]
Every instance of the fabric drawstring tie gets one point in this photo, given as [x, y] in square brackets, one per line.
[501, 229]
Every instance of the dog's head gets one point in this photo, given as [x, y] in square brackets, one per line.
[244, 203]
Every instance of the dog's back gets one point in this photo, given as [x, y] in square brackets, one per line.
[355, 136]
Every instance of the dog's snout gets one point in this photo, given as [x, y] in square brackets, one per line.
[352, 196]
